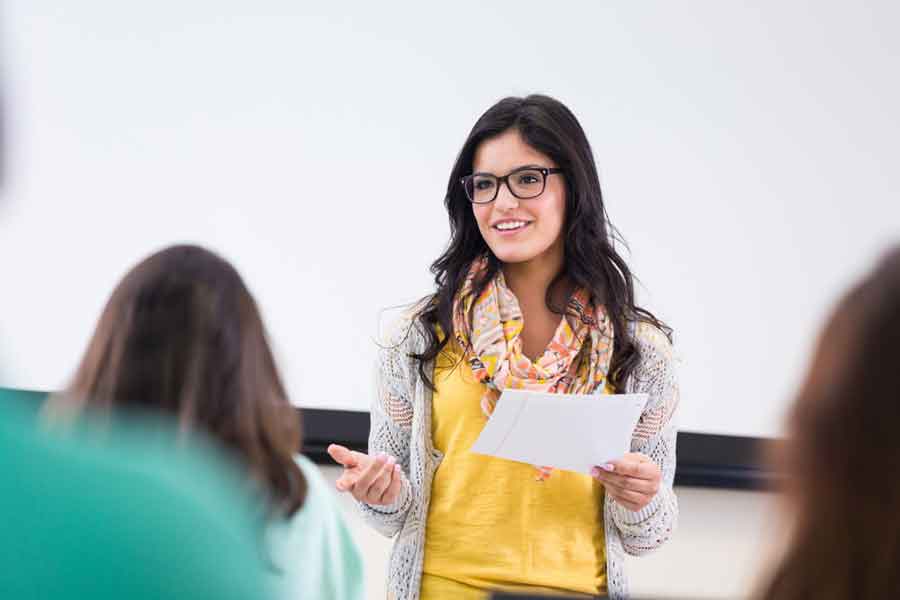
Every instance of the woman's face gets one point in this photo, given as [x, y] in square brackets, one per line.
[516, 230]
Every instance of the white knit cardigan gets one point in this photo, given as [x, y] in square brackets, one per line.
[401, 427]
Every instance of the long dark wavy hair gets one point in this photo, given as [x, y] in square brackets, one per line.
[591, 259]
[182, 335]
[842, 455]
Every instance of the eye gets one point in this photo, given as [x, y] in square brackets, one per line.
[528, 179]
[484, 184]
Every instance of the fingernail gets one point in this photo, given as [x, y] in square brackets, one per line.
[595, 472]
[608, 467]
[391, 460]
[396, 468]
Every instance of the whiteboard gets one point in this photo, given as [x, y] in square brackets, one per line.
[747, 153]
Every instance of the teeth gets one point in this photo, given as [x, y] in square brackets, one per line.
[510, 225]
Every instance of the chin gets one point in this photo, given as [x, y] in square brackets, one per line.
[514, 255]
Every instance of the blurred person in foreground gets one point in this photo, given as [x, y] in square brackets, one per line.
[121, 512]
[182, 336]
[124, 514]
[842, 457]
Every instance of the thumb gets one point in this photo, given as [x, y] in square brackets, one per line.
[342, 455]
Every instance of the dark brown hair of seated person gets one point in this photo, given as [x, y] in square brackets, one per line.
[842, 455]
[182, 334]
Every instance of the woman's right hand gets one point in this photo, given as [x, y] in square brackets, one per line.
[375, 479]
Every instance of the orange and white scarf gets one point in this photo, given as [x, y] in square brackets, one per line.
[489, 328]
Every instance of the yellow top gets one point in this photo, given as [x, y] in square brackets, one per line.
[491, 525]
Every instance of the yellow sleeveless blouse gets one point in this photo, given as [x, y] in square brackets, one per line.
[491, 525]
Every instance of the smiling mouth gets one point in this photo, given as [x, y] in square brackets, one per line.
[508, 226]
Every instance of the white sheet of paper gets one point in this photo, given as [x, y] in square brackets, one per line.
[565, 431]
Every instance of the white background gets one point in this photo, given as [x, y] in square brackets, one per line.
[748, 153]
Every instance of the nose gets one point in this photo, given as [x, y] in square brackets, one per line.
[505, 199]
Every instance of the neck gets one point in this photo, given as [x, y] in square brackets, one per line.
[529, 280]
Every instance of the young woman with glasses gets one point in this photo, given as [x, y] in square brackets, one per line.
[531, 294]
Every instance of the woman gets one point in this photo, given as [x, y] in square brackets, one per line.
[843, 454]
[182, 335]
[530, 272]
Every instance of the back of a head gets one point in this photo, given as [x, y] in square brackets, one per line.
[182, 335]
[843, 454]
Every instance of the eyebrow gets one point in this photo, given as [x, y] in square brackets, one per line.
[528, 166]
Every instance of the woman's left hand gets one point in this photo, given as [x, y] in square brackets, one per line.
[632, 481]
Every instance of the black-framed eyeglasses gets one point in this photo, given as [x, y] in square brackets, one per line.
[523, 183]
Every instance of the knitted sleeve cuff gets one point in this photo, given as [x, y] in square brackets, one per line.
[626, 519]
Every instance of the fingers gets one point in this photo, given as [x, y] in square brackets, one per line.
[345, 482]
[351, 461]
[643, 486]
[373, 483]
[633, 481]
[381, 482]
[633, 465]
[374, 479]
[631, 499]
[632, 489]
[354, 464]
[632, 505]
[368, 475]
[342, 456]
[393, 492]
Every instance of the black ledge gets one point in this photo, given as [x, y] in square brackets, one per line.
[704, 460]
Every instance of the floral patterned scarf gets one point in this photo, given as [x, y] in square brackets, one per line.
[489, 328]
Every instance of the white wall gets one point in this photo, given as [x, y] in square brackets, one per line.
[723, 542]
[747, 151]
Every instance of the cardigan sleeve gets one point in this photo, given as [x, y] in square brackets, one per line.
[391, 423]
[655, 437]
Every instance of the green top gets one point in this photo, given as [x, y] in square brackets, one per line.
[313, 552]
[135, 516]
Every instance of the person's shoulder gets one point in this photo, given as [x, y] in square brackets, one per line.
[320, 517]
[653, 343]
[310, 471]
[143, 491]
[314, 548]
[400, 328]
[318, 491]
